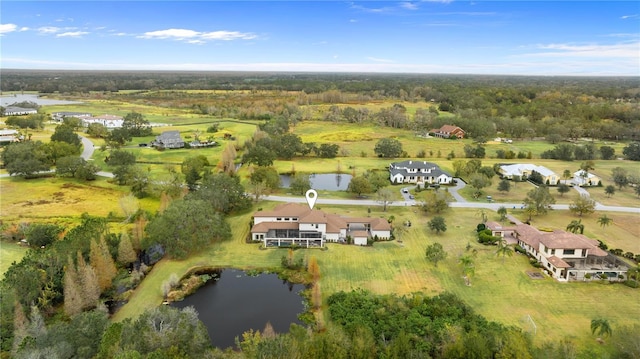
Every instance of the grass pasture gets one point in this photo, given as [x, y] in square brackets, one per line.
[10, 252]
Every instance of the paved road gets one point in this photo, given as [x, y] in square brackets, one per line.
[88, 150]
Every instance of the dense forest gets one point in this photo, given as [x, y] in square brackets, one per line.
[556, 108]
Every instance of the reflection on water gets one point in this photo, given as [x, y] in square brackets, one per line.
[324, 181]
[236, 302]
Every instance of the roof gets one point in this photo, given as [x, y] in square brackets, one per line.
[285, 210]
[8, 132]
[518, 168]
[380, 224]
[449, 128]
[19, 109]
[170, 135]
[566, 240]
[581, 174]
[495, 226]
[402, 168]
[528, 235]
[557, 262]
[265, 226]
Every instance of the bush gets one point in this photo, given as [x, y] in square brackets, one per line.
[631, 283]
[519, 249]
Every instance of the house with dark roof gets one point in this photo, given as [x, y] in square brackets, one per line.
[168, 139]
[448, 131]
[294, 223]
[418, 172]
[564, 255]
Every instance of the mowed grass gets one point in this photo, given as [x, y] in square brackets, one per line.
[10, 252]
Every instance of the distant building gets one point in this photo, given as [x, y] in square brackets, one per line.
[168, 139]
[524, 170]
[60, 116]
[108, 121]
[584, 179]
[418, 172]
[448, 131]
[9, 136]
[19, 111]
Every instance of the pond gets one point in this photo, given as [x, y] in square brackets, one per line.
[234, 302]
[324, 181]
[9, 100]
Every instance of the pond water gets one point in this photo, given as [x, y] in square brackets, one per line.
[324, 181]
[9, 100]
[237, 302]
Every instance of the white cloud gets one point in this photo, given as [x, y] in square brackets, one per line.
[196, 37]
[48, 29]
[24, 28]
[72, 34]
[634, 16]
[376, 59]
[353, 21]
[409, 6]
[629, 50]
[227, 35]
[6, 28]
[557, 68]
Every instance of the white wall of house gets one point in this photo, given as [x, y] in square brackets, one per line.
[319, 227]
[381, 234]
[332, 237]
[360, 241]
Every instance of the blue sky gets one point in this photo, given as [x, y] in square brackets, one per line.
[469, 37]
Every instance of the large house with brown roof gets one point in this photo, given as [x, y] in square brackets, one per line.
[293, 223]
[565, 256]
[448, 131]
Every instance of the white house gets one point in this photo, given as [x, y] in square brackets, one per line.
[524, 170]
[18, 111]
[108, 121]
[418, 172]
[582, 178]
[293, 223]
[564, 255]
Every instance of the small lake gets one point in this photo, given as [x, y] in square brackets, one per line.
[237, 302]
[323, 181]
[10, 100]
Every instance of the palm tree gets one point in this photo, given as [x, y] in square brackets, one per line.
[468, 268]
[604, 221]
[483, 215]
[601, 326]
[502, 211]
[504, 249]
[576, 226]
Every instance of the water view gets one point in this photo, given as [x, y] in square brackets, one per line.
[324, 181]
[234, 302]
[9, 100]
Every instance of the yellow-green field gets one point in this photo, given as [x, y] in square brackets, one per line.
[9, 253]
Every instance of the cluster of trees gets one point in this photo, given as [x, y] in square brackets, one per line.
[28, 158]
[556, 108]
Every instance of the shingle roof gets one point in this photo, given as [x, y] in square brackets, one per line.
[557, 262]
[402, 168]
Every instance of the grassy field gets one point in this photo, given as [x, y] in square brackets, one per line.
[9, 253]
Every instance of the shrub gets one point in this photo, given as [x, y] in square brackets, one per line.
[631, 283]
[519, 249]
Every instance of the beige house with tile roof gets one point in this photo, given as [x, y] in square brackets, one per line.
[564, 255]
[294, 223]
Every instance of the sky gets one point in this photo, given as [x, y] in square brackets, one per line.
[580, 38]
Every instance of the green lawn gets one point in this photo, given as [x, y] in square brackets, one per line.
[500, 289]
[10, 252]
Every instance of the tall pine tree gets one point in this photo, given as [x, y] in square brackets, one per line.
[126, 253]
[102, 263]
[72, 290]
[89, 283]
